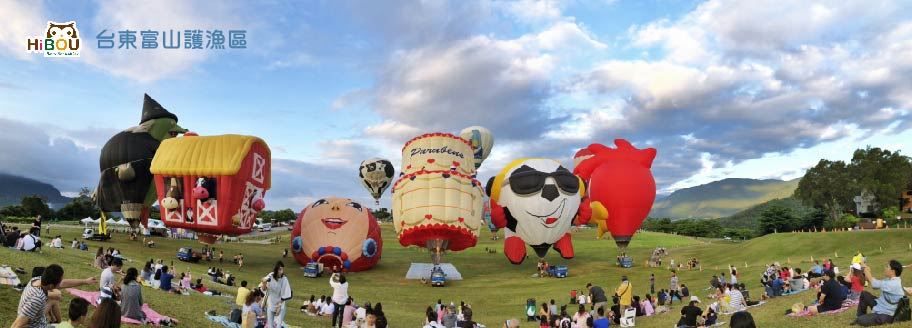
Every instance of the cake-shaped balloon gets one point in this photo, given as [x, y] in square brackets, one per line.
[339, 233]
[437, 203]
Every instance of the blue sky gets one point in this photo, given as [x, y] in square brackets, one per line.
[759, 89]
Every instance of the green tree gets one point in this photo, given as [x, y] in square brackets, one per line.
[35, 206]
[813, 219]
[81, 207]
[844, 221]
[882, 173]
[828, 186]
[890, 214]
[13, 211]
[777, 218]
[286, 215]
[381, 214]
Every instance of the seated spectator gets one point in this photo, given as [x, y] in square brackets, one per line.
[431, 319]
[57, 242]
[165, 278]
[690, 314]
[29, 243]
[736, 299]
[76, 312]
[742, 319]
[883, 307]
[602, 321]
[685, 292]
[831, 295]
[200, 287]
[327, 309]
[131, 296]
[242, 293]
[36, 299]
[647, 306]
[252, 315]
[106, 315]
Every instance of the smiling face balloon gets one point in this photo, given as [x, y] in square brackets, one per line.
[536, 200]
[337, 232]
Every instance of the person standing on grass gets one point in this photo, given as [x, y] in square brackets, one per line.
[278, 290]
[340, 296]
[673, 288]
[34, 298]
[883, 307]
[652, 283]
[625, 293]
[599, 300]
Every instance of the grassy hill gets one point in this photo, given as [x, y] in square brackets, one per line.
[13, 188]
[721, 198]
[496, 289]
[750, 218]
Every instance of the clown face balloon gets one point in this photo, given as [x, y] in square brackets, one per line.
[536, 200]
[337, 232]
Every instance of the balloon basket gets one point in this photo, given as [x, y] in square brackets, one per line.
[207, 238]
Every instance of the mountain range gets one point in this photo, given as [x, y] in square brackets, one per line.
[13, 188]
[721, 198]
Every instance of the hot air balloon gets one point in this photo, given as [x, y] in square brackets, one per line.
[125, 184]
[621, 187]
[214, 185]
[339, 233]
[536, 200]
[437, 203]
[481, 140]
[376, 174]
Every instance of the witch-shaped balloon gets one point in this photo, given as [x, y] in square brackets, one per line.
[126, 184]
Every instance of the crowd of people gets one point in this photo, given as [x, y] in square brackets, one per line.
[441, 315]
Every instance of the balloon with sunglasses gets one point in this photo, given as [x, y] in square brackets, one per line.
[621, 187]
[482, 141]
[535, 200]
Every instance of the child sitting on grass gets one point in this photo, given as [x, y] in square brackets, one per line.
[77, 312]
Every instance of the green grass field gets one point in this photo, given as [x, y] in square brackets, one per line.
[495, 289]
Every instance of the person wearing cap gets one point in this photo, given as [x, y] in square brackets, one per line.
[831, 295]
[883, 307]
[625, 293]
[690, 313]
[855, 277]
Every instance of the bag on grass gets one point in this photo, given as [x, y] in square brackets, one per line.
[903, 312]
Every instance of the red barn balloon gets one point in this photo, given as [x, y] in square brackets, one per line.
[621, 187]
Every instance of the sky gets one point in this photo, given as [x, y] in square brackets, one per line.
[722, 89]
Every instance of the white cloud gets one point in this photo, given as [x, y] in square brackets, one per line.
[22, 20]
[148, 65]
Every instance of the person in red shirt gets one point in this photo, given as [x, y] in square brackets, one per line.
[856, 279]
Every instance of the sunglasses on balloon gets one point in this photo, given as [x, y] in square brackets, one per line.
[530, 182]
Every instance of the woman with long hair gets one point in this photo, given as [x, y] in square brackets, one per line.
[106, 315]
[252, 313]
[131, 296]
[381, 317]
[100, 259]
[278, 290]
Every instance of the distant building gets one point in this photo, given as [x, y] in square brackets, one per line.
[905, 201]
[864, 203]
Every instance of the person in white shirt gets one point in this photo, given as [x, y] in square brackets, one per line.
[340, 296]
[107, 276]
[278, 290]
[327, 309]
[28, 243]
[57, 242]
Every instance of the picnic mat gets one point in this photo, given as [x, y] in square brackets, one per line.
[8, 277]
[846, 305]
[152, 317]
[223, 320]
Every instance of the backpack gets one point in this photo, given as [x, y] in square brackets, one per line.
[235, 316]
[903, 312]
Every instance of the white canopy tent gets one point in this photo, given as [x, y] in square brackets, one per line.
[122, 222]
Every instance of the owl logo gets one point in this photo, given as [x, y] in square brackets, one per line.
[62, 31]
[60, 40]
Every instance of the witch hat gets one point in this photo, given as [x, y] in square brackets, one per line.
[153, 110]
